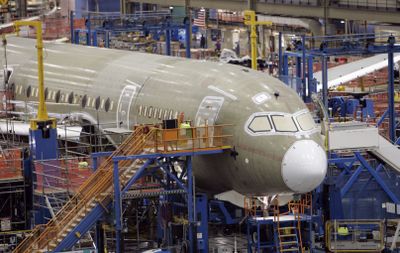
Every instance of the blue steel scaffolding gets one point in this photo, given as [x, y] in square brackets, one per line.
[152, 164]
[109, 24]
[307, 49]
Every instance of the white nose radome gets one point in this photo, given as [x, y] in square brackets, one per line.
[304, 166]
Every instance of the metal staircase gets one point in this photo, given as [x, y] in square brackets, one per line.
[91, 200]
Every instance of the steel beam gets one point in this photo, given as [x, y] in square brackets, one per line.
[378, 179]
[291, 10]
[392, 111]
[190, 202]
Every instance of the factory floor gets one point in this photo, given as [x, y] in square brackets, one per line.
[219, 244]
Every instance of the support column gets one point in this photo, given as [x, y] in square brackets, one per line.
[312, 88]
[94, 37]
[285, 67]
[280, 60]
[251, 5]
[117, 208]
[99, 237]
[76, 37]
[168, 38]
[190, 203]
[21, 8]
[94, 163]
[325, 81]
[188, 37]
[188, 27]
[202, 229]
[107, 39]
[298, 67]
[304, 64]
[89, 32]
[392, 111]
[71, 25]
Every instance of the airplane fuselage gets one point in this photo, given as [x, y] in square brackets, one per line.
[271, 123]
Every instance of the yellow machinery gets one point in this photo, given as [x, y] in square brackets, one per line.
[250, 20]
[43, 131]
[42, 116]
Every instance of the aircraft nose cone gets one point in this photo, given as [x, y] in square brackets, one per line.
[304, 166]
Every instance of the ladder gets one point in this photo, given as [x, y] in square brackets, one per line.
[288, 237]
[96, 190]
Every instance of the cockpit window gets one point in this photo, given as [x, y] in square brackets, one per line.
[306, 122]
[284, 123]
[260, 124]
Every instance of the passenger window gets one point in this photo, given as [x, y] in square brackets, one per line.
[160, 114]
[284, 123]
[46, 93]
[150, 114]
[107, 105]
[306, 122]
[28, 91]
[58, 96]
[70, 98]
[155, 112]
[260, 124]
[84, 101]
[97, 103]
[140, 110]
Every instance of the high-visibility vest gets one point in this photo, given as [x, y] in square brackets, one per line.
[343, 231]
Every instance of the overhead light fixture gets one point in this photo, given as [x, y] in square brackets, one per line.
[342, 21]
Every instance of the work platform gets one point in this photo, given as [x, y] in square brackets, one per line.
[148, 151]
[360, 136]
[279, 231]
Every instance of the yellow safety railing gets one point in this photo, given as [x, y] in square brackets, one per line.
[188, 139]
[353, 236]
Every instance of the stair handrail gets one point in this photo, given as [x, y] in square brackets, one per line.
[91, 190]
[80, 200]
[99, 187]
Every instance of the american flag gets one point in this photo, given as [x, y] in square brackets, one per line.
[200, 21]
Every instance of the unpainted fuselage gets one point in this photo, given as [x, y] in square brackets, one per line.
[129, 88]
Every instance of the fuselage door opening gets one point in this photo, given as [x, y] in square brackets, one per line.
[207, 113]
[124, 106]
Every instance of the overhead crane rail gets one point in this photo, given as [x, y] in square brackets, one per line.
[96, 194]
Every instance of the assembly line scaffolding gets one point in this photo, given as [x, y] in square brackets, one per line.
[104, 26]
[307, 49]
[164, 154]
